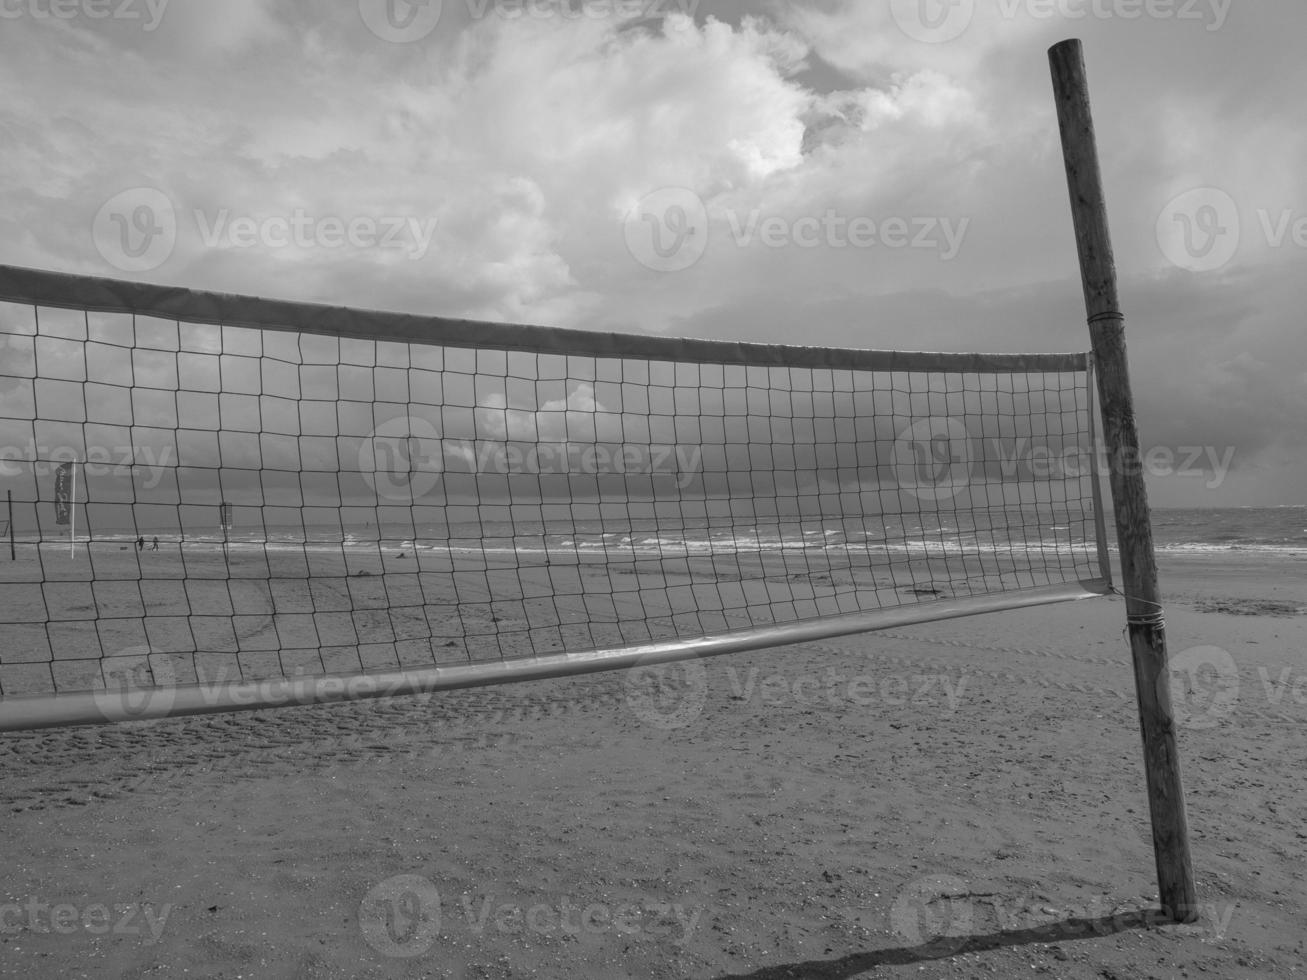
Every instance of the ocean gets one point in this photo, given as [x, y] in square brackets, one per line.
[1226, 529]
[1214, 531]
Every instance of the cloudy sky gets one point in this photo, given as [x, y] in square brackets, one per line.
[882, 173]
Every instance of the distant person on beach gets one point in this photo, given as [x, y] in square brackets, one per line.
[140, 543]
[155, 545]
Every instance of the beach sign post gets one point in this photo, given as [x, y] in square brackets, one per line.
[72, 500]
[65, 501]
[1144, 620]
[224, 521]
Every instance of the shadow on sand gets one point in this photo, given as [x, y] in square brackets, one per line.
[1065, 930]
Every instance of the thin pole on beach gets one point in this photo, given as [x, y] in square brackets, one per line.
[10, 514]
[1144, 619]
[72, 498]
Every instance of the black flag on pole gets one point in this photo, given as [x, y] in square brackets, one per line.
[63, 493]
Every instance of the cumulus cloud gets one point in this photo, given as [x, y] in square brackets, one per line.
[524, 143]
[576, 417]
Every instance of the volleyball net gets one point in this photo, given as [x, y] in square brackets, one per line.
[219, 501]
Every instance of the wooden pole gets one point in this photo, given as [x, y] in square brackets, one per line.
[1134, 532]
[12, 555]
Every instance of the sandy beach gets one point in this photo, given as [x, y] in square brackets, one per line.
[958, 799]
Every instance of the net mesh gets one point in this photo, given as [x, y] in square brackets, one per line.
[193, 501]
